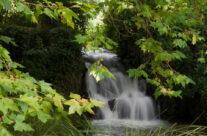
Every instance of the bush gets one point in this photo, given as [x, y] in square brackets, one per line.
[49, 54]
[143, 30]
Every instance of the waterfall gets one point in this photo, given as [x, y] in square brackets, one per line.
[125, 99]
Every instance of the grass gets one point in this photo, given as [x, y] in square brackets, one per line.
[173, 130]
[170, 130]
[83, 127]
[74, 126]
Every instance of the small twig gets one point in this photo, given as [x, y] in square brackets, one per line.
[147, 29]
[7, 67]
[168, 64]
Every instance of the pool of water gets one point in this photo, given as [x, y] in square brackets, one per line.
[126, 127]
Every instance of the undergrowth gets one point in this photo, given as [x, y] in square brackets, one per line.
[172, 130]
[63, 128]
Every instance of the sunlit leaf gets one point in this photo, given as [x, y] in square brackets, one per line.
[75, 96]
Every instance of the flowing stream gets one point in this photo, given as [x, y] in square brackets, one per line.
[126, 103]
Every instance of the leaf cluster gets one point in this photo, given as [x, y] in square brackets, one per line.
[99, 71]
[161, 31]
[22, 96]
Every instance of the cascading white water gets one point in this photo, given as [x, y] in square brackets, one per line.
[125, 99]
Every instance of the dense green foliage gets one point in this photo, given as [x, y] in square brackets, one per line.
[49, 54]
[161, 30]
[24, 98]
[162, 41]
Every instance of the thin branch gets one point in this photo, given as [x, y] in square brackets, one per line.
[7, 67]
[168, 64]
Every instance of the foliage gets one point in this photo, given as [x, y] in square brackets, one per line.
[62, 127]
[99, 71]
[80, 105]
[32, 10]
[94, 38]
[93, 41]
[163, 41]
[48, 53]
[161, 31]
[22, 96]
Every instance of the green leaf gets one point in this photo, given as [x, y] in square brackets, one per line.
[7, 40]
[153, 82]
[6, 120]
[75, 96]
[49, 13]
[81, 39]
[4, 131]
[180, 43]
[43, 116]
[20, 7]
[58, 102]
[47, 106]
[201, 60]
[99, 72]
[75, 108]
[137, 73]
[60, 4]
[88, 108]
[97, 103]
[157, 93]
[20, 118]
[44, 86]
[7, 104]
[31, 101]
[4, 53]
[177, 94]
[70, 102]
[73, 14]
[21, 126]
[146, 11]
[6, 4]
[24, 106]
[67, 16]
[5, 89]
